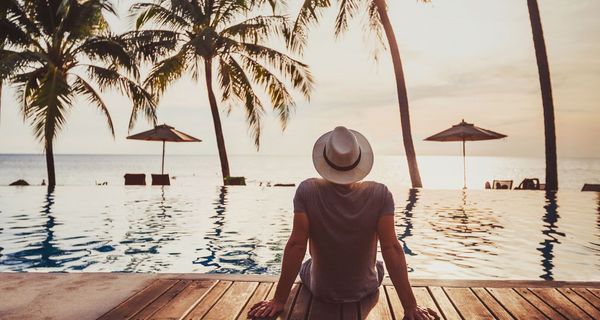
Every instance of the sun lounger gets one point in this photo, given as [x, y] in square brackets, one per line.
[135, 179]
[160, 180]
[502, 184]
[531, 184]
[591, 187]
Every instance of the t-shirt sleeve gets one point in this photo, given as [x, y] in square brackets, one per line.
[388, 203]
[299, 198]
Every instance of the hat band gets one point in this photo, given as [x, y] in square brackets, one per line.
[339, 168]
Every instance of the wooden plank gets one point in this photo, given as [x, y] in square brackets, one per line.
[259, 294]
[140, 300]
[210, 298]
[491, 303]
[375, 306]
[161, 301]
[324, 310]
[350, 311]
[232, 302]
[444, 305]
[594, 291]
[587, 295]
[560, 303]
[395, 303]
[302, 304]
[425, 300]
[500, 283]
[289, 304]
[581, 302]
[516, 305]
[185, 300]
[467, 303]
[542, 306]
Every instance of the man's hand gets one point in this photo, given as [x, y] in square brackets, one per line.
[266, 309]
[418, 313]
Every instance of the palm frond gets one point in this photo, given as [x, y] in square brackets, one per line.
[14, 62]
[310, 12]
[151, 45]
[297, 72]
[240, 87]
[84, 18]
[148, 12]
[347, 9]
[48, 105]
[281, 99]
[166, 72]
[259, 29]
[143, 101]
[374, 28]
[82, 87]
[110, 50]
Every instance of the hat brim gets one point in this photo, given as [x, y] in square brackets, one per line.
[343, 177]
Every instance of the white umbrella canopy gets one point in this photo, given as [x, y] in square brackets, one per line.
[465, 131]
[164, 133]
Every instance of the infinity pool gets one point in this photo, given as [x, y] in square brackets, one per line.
[475, 234]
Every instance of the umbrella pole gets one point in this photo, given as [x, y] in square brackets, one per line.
[162, 168]
[464, 167]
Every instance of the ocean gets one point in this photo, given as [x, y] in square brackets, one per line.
[197, 225]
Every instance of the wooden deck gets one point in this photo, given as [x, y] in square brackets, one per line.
[226, 297]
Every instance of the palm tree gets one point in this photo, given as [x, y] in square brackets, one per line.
[378, 23]
[209, 34]
[54, 48]
[546, 87]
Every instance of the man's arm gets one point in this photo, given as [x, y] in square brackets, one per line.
[294, 252]
[395, 262]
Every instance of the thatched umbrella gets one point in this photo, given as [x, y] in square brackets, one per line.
[465, 132]
[163, 133]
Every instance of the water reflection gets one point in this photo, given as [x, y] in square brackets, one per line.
[469, 225]
[444, 233]
[550, 230]
[228, 249]
[150, 229]
[407, 224]
[38, 254]
[47, 249]
[214, 235]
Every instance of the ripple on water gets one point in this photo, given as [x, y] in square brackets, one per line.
[445, 233]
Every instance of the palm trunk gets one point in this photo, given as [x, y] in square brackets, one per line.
[216, 120]
[546, 87]
[50, 164]
[409, 148]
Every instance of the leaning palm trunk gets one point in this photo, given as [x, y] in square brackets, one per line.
[50, 164]
[409, 147]
[216, 120]
[546, 87]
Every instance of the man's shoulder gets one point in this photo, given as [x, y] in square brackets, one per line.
[374, 185]
[310, 183]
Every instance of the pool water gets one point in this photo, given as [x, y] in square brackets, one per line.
[473, 234]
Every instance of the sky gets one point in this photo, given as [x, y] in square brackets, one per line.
[463, 59]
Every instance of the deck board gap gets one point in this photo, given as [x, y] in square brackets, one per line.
[193, 306]
[453, 304]
[501, 304]
[437, 304]
[551, 305]
[482, 302]
[219, 298]
[148, 303]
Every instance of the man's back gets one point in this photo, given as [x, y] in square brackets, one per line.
[343, 242]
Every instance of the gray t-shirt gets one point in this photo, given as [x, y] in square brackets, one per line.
[343, 236]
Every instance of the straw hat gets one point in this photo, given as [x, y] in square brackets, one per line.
[343, 156]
